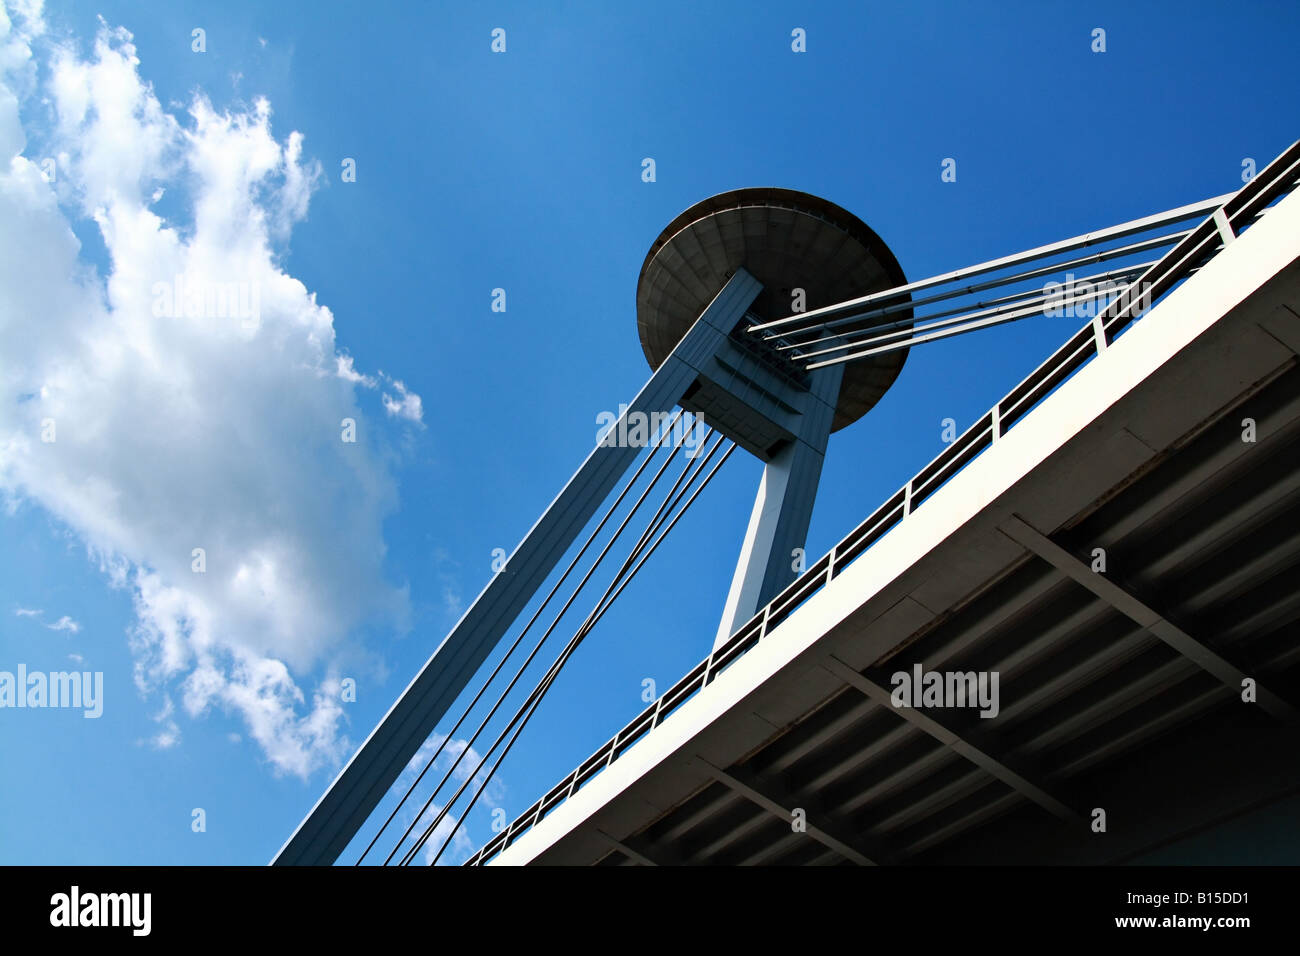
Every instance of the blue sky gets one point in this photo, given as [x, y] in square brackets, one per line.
[475, 171]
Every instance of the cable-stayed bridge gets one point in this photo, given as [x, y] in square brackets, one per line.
[1116, 540]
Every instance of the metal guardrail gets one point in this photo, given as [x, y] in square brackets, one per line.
[1193, 251]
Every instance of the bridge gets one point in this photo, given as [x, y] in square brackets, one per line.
[1117, 540]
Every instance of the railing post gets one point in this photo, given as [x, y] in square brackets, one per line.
[1099, 334]
[1226, 232]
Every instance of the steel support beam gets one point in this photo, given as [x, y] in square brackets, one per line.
[1128, 604]
[362, 783]
[782, 508]
[640, 850]
[971, 746]
[773, 797]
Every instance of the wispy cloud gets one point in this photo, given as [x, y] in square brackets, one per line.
[461, 844]
[346, 371]
[406, 405]
[65, 623]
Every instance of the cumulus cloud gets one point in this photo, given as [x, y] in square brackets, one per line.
[177, 398]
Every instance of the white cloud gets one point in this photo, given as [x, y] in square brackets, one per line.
[179, 429]
[405, 405]
[452, 602]
[170, 734]
[445, 568]
[64, 623]
[346, 371]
